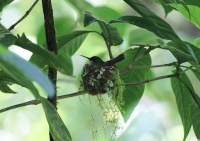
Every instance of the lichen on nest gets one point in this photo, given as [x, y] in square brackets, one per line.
[103, 79]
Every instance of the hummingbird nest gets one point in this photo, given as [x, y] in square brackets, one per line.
[103, 79]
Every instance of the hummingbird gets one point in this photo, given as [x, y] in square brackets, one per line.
[98, 62]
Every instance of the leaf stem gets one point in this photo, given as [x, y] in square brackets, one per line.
[36, 102]
[23, 17]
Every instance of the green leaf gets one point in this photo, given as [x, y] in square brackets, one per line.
[183, 2]
[132, 94]
[180, 55]
[63, 24]
[192, 15]
[101, 11]
[4, 87]
[5, 81]
[196, 73]
[157, 25]
[184, 100]
[70, 43]
[138, 21]
[24, 73]
[197, 42]
[60, 62]
[67, 44]
[162, 28]
[166, 7]
[195, 49]
[7, 78]
[80, 5]
[4, 3]
[110, 33]
[6, 37]
[195, 114]
[57, 128]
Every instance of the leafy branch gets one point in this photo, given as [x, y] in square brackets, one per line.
[153, 79]
[155, 66]
[36, 102]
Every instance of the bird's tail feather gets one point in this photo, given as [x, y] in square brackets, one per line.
[114, 60]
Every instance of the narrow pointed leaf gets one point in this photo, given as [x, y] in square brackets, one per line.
[184, 100]
[5, 88]
[7, 78]
[192, 14]
[196, 73]
[157, 25]
[6, 37]
[166, 7]
[110, 33]
[70, 43]
[195, 49]
[24, 73]
[133, 94]
[142, 23]
[180, 55]
[59, 62]
[197, 42]
[67, 46]
[183, 2]
[153, 20]
[4, 3]
[195, 115]
[57, 128]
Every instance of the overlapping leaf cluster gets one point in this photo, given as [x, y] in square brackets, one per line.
[188, 102]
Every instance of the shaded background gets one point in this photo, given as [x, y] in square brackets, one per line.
[156, 116]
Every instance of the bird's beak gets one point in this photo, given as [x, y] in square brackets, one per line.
[85, 57]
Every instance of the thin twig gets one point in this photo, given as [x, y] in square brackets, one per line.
[147, 45]
[154, 66]
[25, 15]
[153, 79]
[32, 102]
[36, 102]
[71, 95]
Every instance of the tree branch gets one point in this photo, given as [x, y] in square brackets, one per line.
[35, 102]
[153, 79]
[155, 66]
[51, 45]
[23, 17]
[51, 41]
